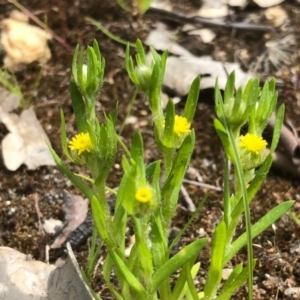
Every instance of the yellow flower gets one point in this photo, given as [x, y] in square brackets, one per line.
[81, 142]
[252, 143]
[143, 195]
[181, 125]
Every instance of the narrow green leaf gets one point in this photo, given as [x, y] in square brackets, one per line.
[173, 183]
[150, 168]
[108, 33]
[176, 262]
[222, 133]
[191, 293]
[87, 191]
[74, 63]
[192, 100]
[216, 265]
[127, 275]
[126, 191]
[137, 153]
[78, 106]
[255, 185]
[64, 143]
[180, 288]
[229, 88]
[219, 103]
[267, 220]
[141, 51]
[232, 277]
[107, 269]
[277, 127]
[237, 283]
[169, 125]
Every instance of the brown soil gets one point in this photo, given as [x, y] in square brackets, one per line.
[277, 266]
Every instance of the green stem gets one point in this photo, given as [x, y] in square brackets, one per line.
[132, 100]
[109, 34]
[242, 185]
[168, 161]
[227, 203]
[124, 146]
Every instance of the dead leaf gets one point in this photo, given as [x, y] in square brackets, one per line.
[76, 209]
[26, 142]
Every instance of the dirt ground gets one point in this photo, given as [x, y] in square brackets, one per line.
[277, 250]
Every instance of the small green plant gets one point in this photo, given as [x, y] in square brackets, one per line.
[148, 193]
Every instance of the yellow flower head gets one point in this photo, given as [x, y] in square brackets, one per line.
[143, 195]
[81, 142]
[252, 143]
[181, 125]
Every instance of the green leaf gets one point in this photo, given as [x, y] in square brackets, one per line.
[237, 283]
[64, 143]
[251, 191]
[137, 153]
[150, 168]
[127, 275]
[219, 103]
[173, 183]
[126, 191]
[192, 100]
[267, 220]
[222, 133]
[145, 259]
[87, 191]
[169, 125]
[277, 127]
[181, 287]
[232, 277]
[78, 106]
[141, 52]
[107, 268]
[156, 182]
[176, 262]
[216, 265]
[191, 293]
[229, 88]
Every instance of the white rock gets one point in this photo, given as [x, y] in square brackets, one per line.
[23, 43]
[213, 9]
[51, 226]
[226, 273]
[26, 142]
[181, 71]
[22, 278]
[239, 3]
[292, 291]
[163, 39]
[206, 34]
[267, 3]
[277, 15]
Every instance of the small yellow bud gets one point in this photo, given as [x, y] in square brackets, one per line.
[81, 142]
[143, 195]
[181, 125]
[252, 143]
